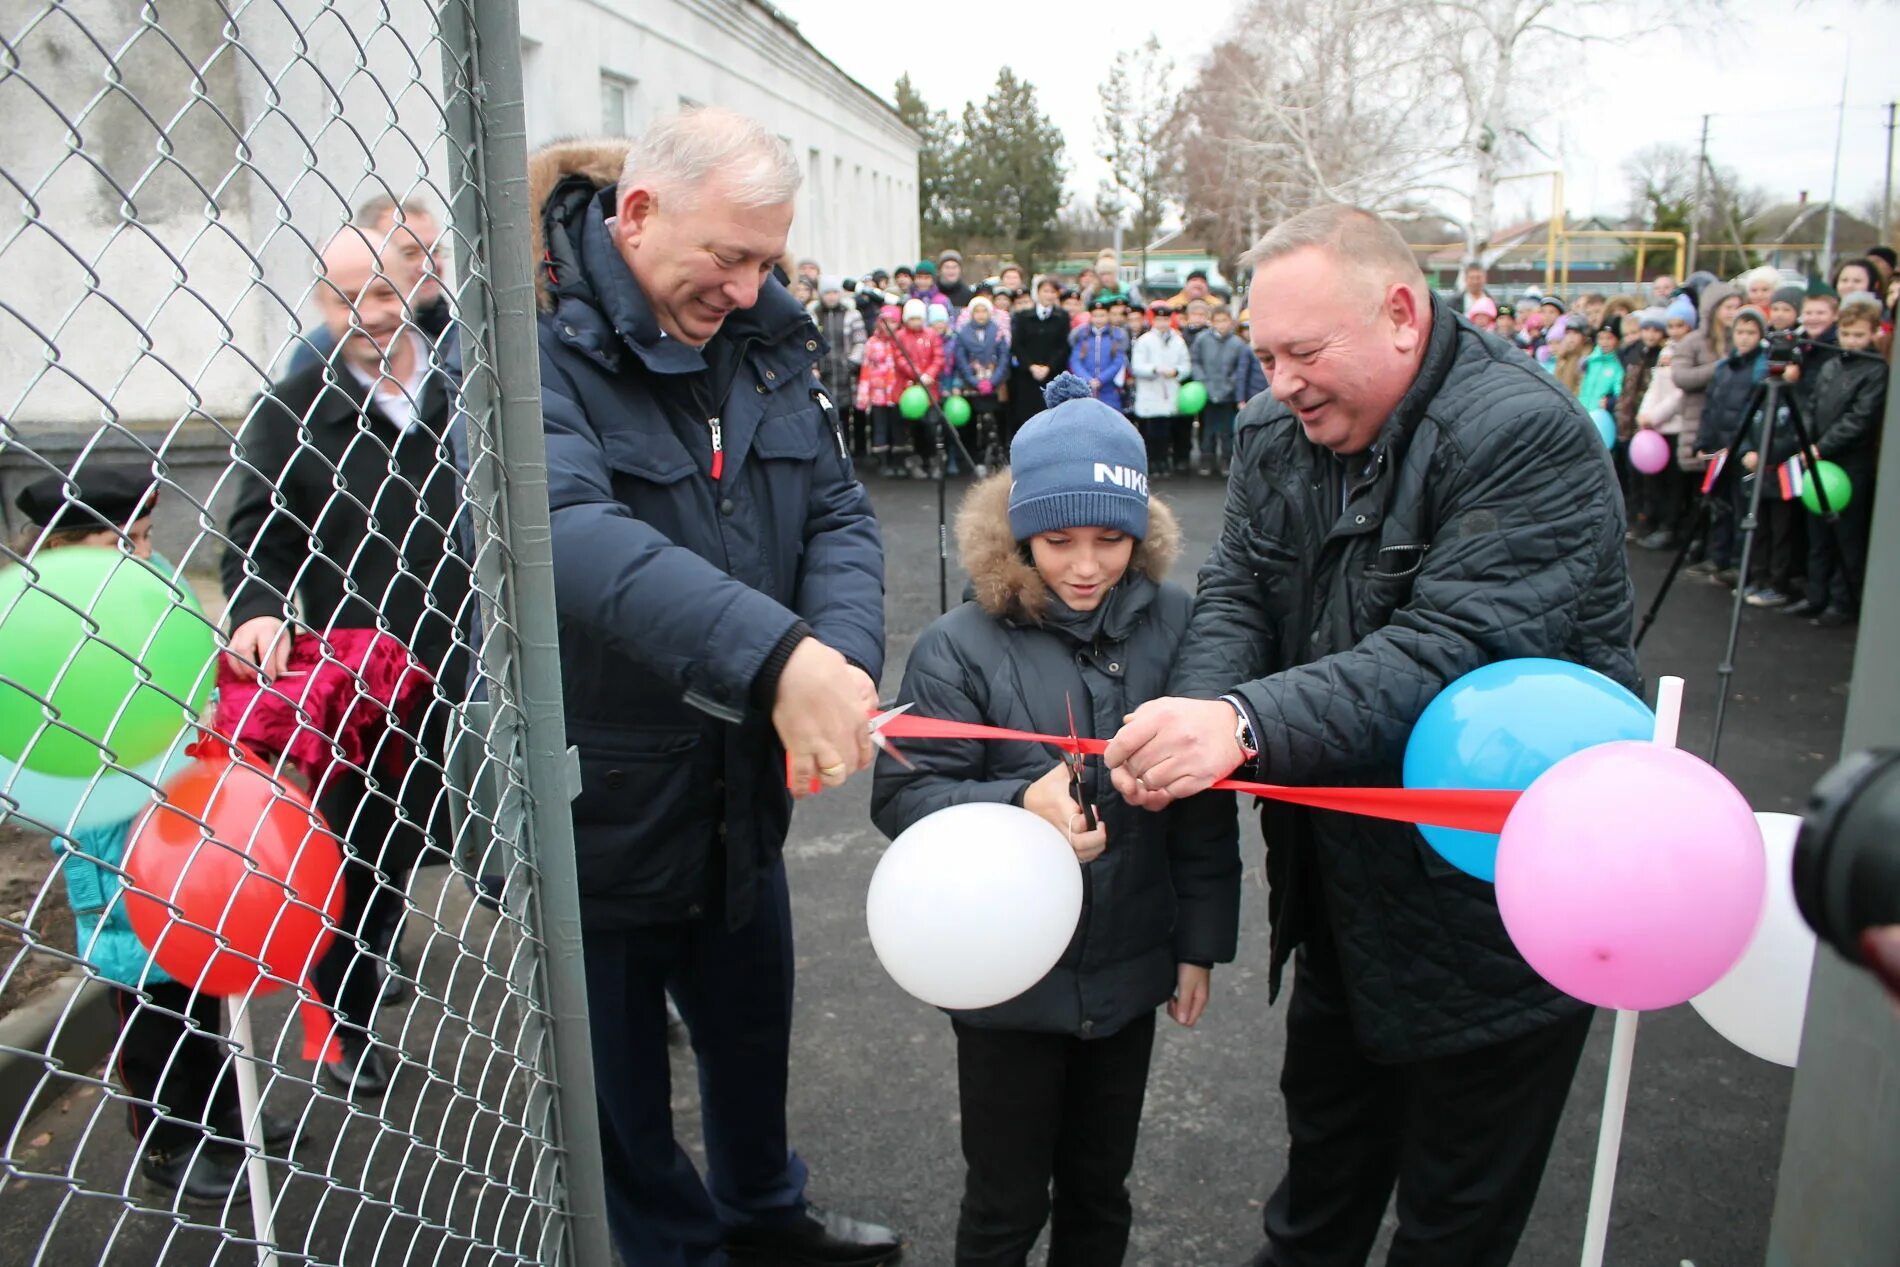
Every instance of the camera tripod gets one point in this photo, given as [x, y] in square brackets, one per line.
[1766, 406]
[944, 434]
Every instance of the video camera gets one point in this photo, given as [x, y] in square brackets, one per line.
[1785, 348]
[1847, 857]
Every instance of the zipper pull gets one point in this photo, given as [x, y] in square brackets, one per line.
[719, 449]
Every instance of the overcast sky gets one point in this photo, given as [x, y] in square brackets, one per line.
[1769, 73]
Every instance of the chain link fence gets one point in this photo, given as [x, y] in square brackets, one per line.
[289, 942]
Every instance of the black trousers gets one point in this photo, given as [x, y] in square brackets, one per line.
[1043, 1109]
[734, 991]
[1464, 1137]
[1837, 551]
[383, 833]
[163, 1061]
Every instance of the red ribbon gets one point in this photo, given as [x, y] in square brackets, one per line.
[1468, 809]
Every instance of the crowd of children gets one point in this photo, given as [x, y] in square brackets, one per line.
[996, 343]
[1692, 370]
[1689, 366]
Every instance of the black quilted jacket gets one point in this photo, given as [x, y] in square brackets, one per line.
[1486, 525]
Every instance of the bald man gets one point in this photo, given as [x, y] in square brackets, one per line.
[1412, 500]
[370, 482]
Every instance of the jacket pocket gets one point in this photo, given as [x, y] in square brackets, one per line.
[793, 436]
[640, 815]
[654, 457]
[1386, 586]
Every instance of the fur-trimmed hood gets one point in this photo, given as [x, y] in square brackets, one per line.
[597, 159]
[1007, 585]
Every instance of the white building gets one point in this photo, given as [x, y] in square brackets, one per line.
[613, 66]
[153, 279]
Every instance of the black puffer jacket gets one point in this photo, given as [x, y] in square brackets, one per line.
[1488, 527]
[1166, 890]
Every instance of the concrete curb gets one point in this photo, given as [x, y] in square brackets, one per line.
[72, 1021]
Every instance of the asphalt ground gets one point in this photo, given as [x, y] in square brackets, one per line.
[873, 1103]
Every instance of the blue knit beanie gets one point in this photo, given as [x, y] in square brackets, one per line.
[1681, 308]
[1077, 464]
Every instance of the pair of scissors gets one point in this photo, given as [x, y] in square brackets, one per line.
[882, 741]
[877, 724]
[1078, 774]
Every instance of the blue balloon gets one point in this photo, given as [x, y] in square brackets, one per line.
[1606, 426]
[113, 795]
[1503, 725]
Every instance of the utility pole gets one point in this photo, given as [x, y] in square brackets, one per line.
[1834, 183]
[1695, 210]
[1886, 196]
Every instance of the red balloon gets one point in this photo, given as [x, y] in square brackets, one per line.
[262, 879]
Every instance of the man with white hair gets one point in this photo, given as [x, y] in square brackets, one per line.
[1413, 500]
[719, 580]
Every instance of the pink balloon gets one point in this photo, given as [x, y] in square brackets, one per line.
[1631, 875]
[1649, 451]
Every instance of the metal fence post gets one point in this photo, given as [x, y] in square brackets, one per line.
[482, 82]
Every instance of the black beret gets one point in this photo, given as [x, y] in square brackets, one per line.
[103, 496]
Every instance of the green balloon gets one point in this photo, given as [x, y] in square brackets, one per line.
[91, 677]
[914, 403]
[1191, 399]
[1829, 477]
[956, 410]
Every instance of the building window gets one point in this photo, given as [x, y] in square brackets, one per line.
[616, 104]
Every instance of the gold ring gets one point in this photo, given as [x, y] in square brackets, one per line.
[829, 770]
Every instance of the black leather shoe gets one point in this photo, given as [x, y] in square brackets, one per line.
[396, 987]
[280, 1133]
[207, 1174]
[818, 1239]
[361, 1071]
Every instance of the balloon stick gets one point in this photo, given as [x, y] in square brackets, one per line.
[243, 1053]
[1616, 1091]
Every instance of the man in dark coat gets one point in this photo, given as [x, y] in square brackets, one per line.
[719, 579]
[1038, 350]
[1413, 501]
[347, 502]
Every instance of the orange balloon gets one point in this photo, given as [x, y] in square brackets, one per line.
[256, 893]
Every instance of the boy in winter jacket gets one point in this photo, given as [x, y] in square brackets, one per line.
[1725, 407]
[1217, 356]
[1099, 355]
[1848, 399]
[1159, 362]
[1071, 618]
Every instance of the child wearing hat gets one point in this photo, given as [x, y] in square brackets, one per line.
[1098, 355]
[1070, 614]
[919, 362]
[168, 1053]
[878, 388]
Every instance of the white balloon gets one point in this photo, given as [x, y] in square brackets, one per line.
[1760, 1005]
[974, 904]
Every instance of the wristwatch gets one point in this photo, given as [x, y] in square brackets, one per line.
[1243, 727]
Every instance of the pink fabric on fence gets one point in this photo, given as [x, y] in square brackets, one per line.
[341, 698]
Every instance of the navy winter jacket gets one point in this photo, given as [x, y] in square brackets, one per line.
[675, 588]
[1726, 401]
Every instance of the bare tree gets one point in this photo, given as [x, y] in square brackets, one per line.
[1303, 104]
[1136, 132]
[1384, 101]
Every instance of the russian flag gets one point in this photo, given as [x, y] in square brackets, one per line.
[1716, 463]
[1794, 479]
